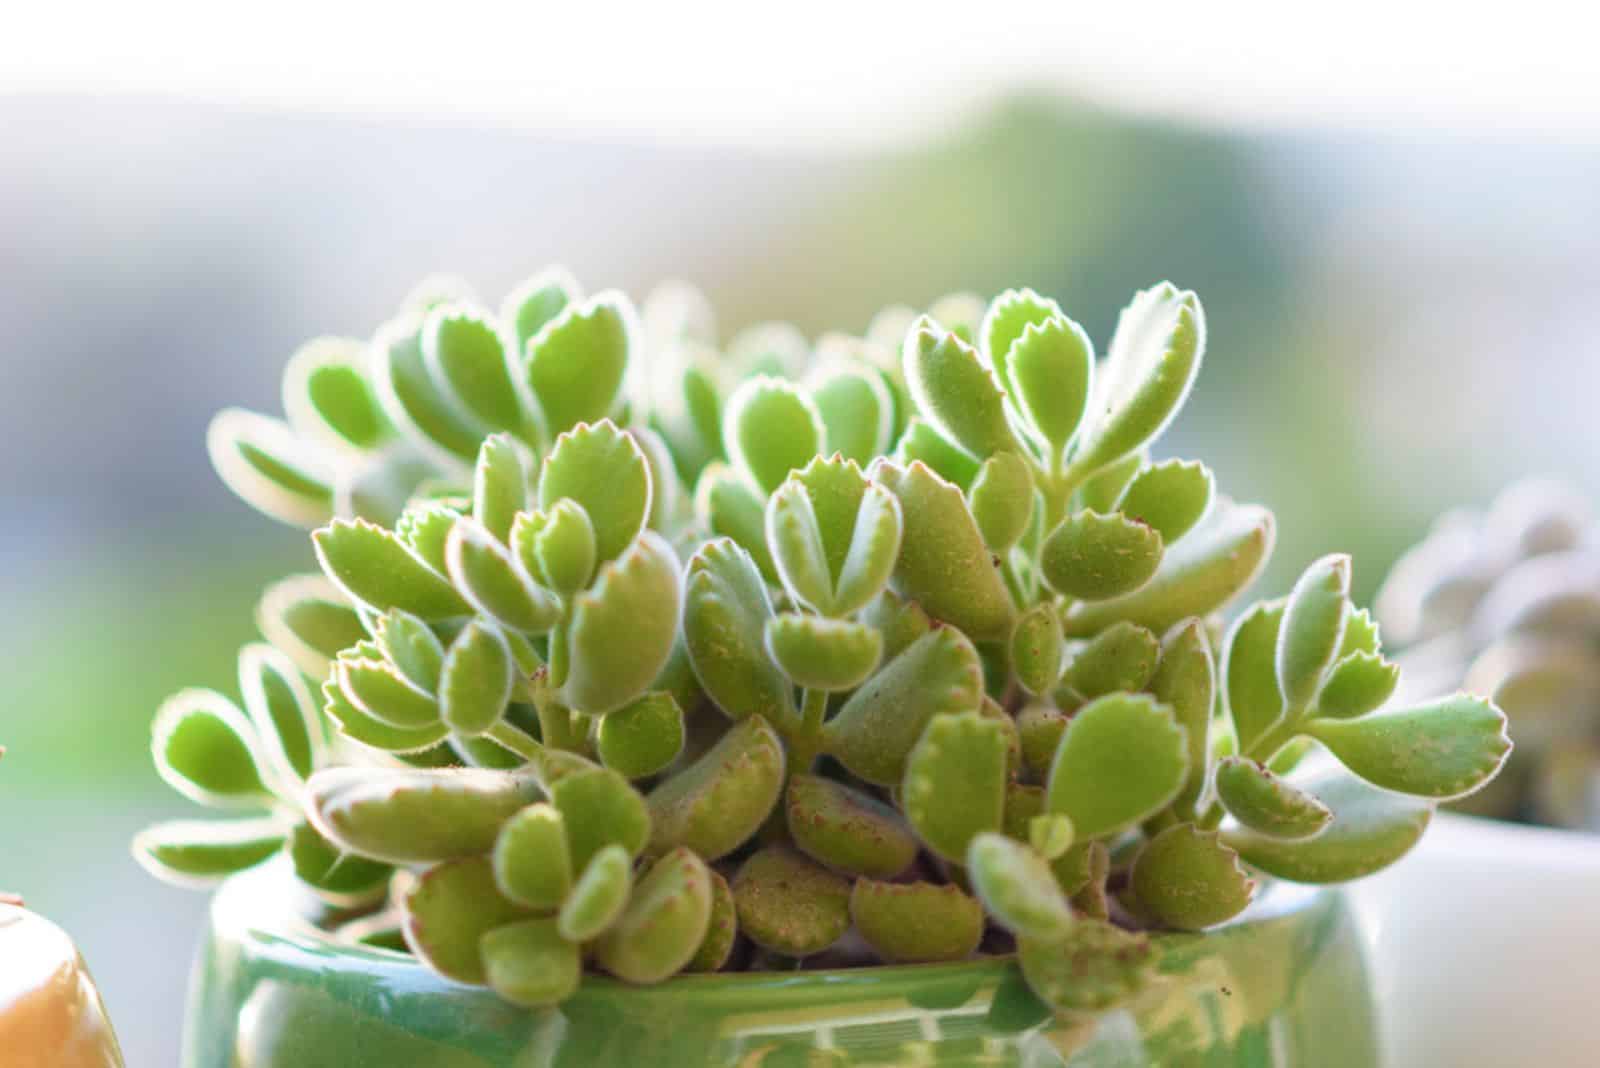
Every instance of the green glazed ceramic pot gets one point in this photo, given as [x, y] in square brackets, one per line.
[1286, 984]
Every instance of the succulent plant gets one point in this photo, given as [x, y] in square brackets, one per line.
[634, 656]
[1507, 602]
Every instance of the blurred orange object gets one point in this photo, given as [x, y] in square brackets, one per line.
[51, 1015]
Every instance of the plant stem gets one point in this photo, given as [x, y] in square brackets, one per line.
[517, 740]
[806, 741]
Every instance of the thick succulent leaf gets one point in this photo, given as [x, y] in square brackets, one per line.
[955, 392]
[499, 485]
[823, 654]
[1036, 649]
[722, 932]
[623, 627]
[448, 909]
[875, 730]
[1199, 575]
[371, 565]
[535, 302]
[360, 727]
[262, 461]
[961, 313]
[532, 864]
[715, 804]
[1122, 759]
[1102, 492]
[1016, 886]
[666, 489]
[1186, 681]
[416, 815]
[411, 646]
[1007, 316]
[1094, 557]
[730, 507]
[563, 547]
[599, 895]
[466, 358]
[1001, 500]
[410, 395]
[771, 428]
[1093, 967]
[475, 684]
[643, 736]
[846, 830]
[955, 783]
[1189, 879]
[336, 876]
[1039, 727]
[901, 622]
[1171, 497]
[603, 470]
[530, 962]
[1154, 358]
[1357, 684]
[1360, 634]
[1122, 657]
[495, 583]
[1051, 834]
[1371, 829]
[857, 411]
[206, 749]
[1442, 749]
[789, 904]
[377, 688]
[326, 395]
[1312, 628]
[665, 922]
[944, 564]
[797, 550]
[281, 707]
[1263, 802]
[308, 619]
[200, 853]
[921, 442]
[1051, 369]
[1249, 668]
[425, 528]
[600, 808]
[724, 620]
[873, 549]
[576, 363]
[913, 923]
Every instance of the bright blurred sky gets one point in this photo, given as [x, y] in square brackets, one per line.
[827, 72]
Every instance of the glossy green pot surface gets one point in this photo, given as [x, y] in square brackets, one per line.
[1284, 985]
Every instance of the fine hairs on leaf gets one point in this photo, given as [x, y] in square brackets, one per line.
[643, 653]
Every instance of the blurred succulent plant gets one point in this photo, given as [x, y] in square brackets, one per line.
[923, 666]
[1507, 603]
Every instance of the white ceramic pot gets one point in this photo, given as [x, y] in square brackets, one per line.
[1485, 944]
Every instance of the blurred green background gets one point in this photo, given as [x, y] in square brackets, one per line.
[1397, 325]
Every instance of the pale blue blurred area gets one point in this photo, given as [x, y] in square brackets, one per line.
[1397, 325]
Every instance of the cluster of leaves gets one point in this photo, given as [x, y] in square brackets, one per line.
[923, 666]
[1507, 603]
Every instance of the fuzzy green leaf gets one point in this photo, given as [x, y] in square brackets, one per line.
[789, 904]
[425, 530]
[600, 808]
[857, 411]
[499, 485]
[1102, 492]
[955, 783]
[495, 583]
[1356, 685]
[466, 357]
[377, 688]
[336, 876]
[664, 924]
[269, 468]
[1036, 649]
[448, 909]
[603, 470]
[200, 853]
[1186, 681]
[288, 729]
[1007, 316]
[536, 302]
[475, 684]
[532, 864]
[530, 963]
[1122, 759]
[1091, 968]
[326, 394]
[875, 730]
[1122, 657]
[1189, 879]
[1051, 369]
[944, 564]
[725, 615]
[623, 627]
[1002, 499]
[797, 549]
[206, 749]
[643, 736]
[1370, 830]
[598, 897]
[576, 363]
[565, 548]
[1312, 628]
[873, 549]
[715, 804]
[921, 442]
[1249, 667]
[1170, 497]
[722, 932]
[371, 565]
[411, 646]
[771, 428]
[1016, 886]
[410, 395]
[913, 923]
[1095, 557]
[823, 654]
[1039, 727]
[955, 392]
[1154, 358]
[1442, 749]
[1263, 802]
[732, 508]
[307, 618]
[847, 830]
[411, 815]
[360, 727]
[1199, 575]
